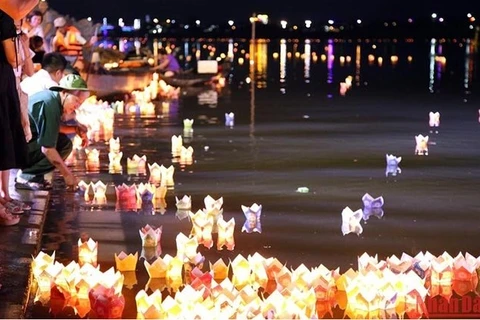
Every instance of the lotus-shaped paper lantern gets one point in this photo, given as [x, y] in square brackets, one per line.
[202, 225]
[155, 173]
[186, 247]
[126, 197]
[167, 176]
[372, 206]
[115, 159]
[214, 209]
[434, 119]
[151, 253]
[92, 162]
[125, 262]
[220, 270]
[241, 272]
[252, 216]
[77, 142]
[85, 187]
[87, 252]
[186, 155]
[146, 197]
[99, 190]
[184, 203]
[41, 262]
[465, 277]
[158, 269]
[422, 145]
[150, 236]
[392, 165]
[114, 145]
[137, 165]
[177, 143]
[225, 234]
[351, 221]
[149, 306]
[187, 124]
[229, 119]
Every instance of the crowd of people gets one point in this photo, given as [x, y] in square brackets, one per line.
[40, 89]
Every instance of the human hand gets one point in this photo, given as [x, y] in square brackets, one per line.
[81, 131]
[26, 127]
[71, 181]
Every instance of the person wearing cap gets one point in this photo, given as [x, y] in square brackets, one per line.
[69, 41]
[50, 145]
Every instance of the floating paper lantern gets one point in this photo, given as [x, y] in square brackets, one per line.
[351, 221]
[229, 119]
[177, 143]
[241, 272]
[184, 203]
[151, 253]
[372, 206]
[465, 277]
[155, 173]
[392, 165]
[202, 225]
[149, 306]
[77, 142]
[186, 247]
[219, 270]
[126, 197]
[125, 262]
[187, 124]
[252, 216]
[137, 165]
[87, 252]
[167, 176]
[434, 119]
[186, 153]
[158, 269]
[115, 159]
[92, 162]
[145, 195]
[99, 190]
[225, 234]
[150, 236]
[114, 145]
[422, 145]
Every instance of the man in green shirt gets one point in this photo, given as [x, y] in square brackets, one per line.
[50, 145]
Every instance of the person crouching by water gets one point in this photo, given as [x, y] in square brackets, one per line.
[50, 145]
[168, 64]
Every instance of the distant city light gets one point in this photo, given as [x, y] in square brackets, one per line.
[155, 20]
[359, 21]
[331, 21]
[173, 21]
[186, 26]
[410, 20]
[168, 21]
[470, 27]
[472, 19]
[469, 15]
[434, 16]
[441, 19]
[308, 23]
[231, 23]
[284, 23]
[120, 22]
[89, 19]
[137, 24]
[197, 22]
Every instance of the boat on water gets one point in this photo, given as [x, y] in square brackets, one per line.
[117, 81]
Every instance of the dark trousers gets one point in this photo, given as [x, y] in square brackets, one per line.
[38, 165]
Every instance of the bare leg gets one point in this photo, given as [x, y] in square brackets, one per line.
[4, 180]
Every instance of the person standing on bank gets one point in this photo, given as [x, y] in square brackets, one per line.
[13, 145]
[50, 146]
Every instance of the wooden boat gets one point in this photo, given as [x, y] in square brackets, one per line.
[117, 81]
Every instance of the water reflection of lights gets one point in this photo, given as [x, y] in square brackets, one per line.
[432, 66]
[330, 61]
[283, 65]
[358, 59]
[469, 48]
[230, 49]
[307, 58]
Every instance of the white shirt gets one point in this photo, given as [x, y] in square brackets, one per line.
[39, 81]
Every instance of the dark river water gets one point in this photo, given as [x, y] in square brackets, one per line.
[294, 131]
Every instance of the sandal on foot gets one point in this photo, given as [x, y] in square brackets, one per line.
[24, 206]
[12, 208]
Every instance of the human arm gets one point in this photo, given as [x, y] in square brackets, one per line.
[78, 129]
[162, 66]
[17, 9]
[28, 68]
[54, 157]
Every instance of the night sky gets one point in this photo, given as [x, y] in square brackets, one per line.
[217, 10]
